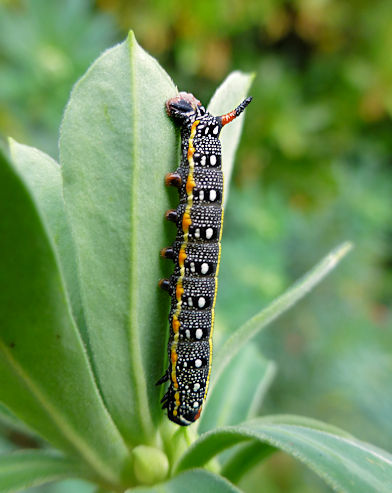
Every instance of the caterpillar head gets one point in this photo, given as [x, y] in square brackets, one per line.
[183, 106]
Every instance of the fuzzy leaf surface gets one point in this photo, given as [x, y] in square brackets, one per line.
[116, 145]
[42, 175]
[45, 376]
[343, 462]
[21, 470]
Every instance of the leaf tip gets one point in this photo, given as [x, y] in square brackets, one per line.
[340, 252]
[252, 76]
[131, 39]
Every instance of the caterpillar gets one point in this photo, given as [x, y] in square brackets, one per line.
[195, 253]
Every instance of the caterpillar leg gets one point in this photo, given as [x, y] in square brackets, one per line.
[173, 180]
[164, 379]
[171, 215]
[165, 397]
[167, 252]
[164, 284]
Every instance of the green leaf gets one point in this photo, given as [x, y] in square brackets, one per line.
[45, 376]
[116, 146]
[10, 421]
[245, 458]
[292, 419]
[243, 382]
[192, 482]
[343, 462]
[230, 94]
[21, 470]
[266, 377]
[249, 454]
[240, 337]
[42, 176]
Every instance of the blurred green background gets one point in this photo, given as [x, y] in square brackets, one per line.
[314, 169]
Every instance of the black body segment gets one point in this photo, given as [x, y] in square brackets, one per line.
[196, 294]
[194, 325]
[205, 223]
[195, 253]
[208, 187]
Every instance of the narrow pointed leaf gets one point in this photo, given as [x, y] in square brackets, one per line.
[233, 90]
[343, 462]
[116, 146]
[10, 421]
[42, 175]
[261, 389]
[251, 453]
[45, 376]
[244, 380]
[240, 337]
[293, 419]
[192, 482]
[21, 470]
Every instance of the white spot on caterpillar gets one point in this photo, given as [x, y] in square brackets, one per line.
[203, 160]
[201, 195]
[206, 130]
[195, 404]
[190, 302]
[201, 302]
[198, 363]
[188, 334]
[212, 195]
[193, 269]
[199, 334]
[197, 233]
[196, 387]
[216, 130]
[209, 233]
[213, 159]
[204, 268]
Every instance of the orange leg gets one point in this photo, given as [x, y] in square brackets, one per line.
[164, 284]
[171, 215]
[173, 180]
[167, 252]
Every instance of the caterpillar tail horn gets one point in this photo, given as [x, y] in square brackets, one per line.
[229, 117]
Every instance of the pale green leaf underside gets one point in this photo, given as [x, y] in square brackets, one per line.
[251, 453]
[241, 336]
[344, 463]
[45, 377]
[198, 481]
[116, 146]
[22, 470]
[42, 176]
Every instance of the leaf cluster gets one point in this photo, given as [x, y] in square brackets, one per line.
[83, 328]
